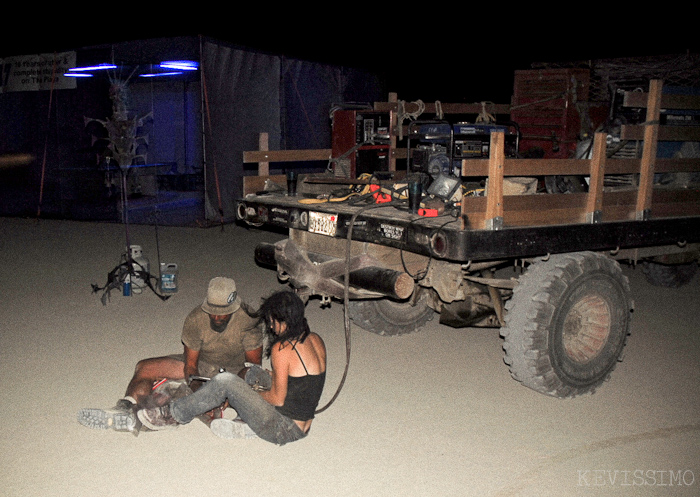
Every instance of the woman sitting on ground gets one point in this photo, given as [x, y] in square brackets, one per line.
[279, 415]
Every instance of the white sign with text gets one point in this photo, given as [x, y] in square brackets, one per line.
[37, 72]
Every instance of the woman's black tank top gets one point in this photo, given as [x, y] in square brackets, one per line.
[303, 394]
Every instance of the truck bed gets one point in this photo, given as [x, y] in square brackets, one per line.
[444, 237]
[499, 225]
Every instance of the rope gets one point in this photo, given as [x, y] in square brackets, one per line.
[346, 302]
[46, 142]
[216, 171]
[313, 132]
[484, 116]
[402, 115]
[555, 97]
[346, 292]
[365, 193]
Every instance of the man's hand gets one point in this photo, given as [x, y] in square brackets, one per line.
[254, 356]
[243, 372]
[192, 367]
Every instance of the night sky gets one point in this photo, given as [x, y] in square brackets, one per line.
[421, 55]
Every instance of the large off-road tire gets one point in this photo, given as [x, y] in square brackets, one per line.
[389, 317]
[669, 275]
[567, 324]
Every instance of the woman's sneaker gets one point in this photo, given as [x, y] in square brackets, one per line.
[226, 428]
[157, 418]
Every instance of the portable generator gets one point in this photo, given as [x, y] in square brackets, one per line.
[442, 146]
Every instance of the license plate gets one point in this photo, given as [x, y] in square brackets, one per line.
[320, 222]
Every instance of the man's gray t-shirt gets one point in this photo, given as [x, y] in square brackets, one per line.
[221, 350]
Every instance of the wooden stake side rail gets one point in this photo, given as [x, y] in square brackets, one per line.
[547, 167]
[496, 211]
[264, 156]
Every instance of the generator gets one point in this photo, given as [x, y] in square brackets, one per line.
[360, 142]
[441, 146]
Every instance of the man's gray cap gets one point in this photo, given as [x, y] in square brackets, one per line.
[222, 297]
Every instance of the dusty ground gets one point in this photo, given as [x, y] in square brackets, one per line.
[429, 414]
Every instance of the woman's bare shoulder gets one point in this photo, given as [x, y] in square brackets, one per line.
[316, 340]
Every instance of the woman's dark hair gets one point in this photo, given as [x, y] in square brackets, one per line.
[286, 307]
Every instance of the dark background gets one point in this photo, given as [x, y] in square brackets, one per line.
[448, 53]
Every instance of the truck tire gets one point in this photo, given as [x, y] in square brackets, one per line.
[567, 324]
[389, 317]
[669, 275]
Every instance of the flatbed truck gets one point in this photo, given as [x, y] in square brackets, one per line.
[544, 268]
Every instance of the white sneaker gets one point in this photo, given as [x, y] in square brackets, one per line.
[226, 428]
[157, 418]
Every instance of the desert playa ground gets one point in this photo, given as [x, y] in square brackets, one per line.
[434, 413]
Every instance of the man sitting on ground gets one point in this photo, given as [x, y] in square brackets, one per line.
[219, 335]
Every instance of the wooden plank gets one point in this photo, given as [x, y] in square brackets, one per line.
[529, 167]
[641, 99]
[392, 133]
[676, 210]
[473, 212]
[494, 189]
[286, 155]
[622, 166]
[545, 167]
[675, 202]
[252, 184]
[619, 205]
[528, 210]
[547, 209]
[264, 145]
[646, 173]
[594, 204]
[551, 167]
[544, 209]
[475, 167]
[677, 165]
[666, 133]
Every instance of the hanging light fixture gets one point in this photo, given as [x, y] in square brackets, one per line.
[86, 71]
[181, 65]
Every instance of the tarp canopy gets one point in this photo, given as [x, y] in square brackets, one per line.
[249, 93]
[195, 130]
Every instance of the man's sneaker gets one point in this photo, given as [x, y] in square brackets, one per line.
[157, 418]
[226, 428]
[258, 379]
[119, 418]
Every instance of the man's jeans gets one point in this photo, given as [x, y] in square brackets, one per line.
[263, 418]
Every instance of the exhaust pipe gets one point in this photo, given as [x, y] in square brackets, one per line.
[325, 275]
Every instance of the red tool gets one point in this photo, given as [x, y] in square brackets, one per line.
[379, 197]
[428, 212]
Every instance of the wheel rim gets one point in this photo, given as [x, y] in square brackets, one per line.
[587, 329]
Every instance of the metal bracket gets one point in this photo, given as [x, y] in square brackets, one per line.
[495, 223]
[594, 217]
[644, 215]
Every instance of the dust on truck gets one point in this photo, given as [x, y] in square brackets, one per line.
[490, 245]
